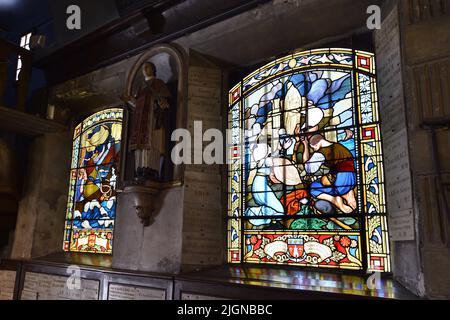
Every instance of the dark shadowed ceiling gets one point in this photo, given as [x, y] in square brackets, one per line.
[19, 16]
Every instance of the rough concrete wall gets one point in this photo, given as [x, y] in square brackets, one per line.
[40, 222]
[156, 248]
[426, 49]
[277, 27]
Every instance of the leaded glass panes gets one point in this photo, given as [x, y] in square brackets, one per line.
[91, 206]
[305, 173]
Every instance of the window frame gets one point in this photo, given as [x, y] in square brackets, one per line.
[68, 228]
[362, 63]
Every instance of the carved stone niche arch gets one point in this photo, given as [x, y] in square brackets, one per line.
[169, 59]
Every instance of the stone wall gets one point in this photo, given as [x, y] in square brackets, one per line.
[155, 248]
[203, 228]
[96, 90]
[40, 221]
[402, 218]
[10, 182]
[414, 75]
[426, 50]
[41, 213]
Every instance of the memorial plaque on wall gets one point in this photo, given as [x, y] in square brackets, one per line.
[128, 292]
[7, 284]
[401, 225]
[202, 221]
[389, 69]
[398, 177]
[40, 286]
[203, 204]
[399, 197]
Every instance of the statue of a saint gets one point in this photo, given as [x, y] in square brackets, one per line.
[148, 130]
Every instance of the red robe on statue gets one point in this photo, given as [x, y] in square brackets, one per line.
[148, 115]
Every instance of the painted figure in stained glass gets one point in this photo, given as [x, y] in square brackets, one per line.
[263, 195]
[94, 195]
[337, 185]
[300, 108]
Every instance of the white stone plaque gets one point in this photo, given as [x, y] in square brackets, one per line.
[205, 77]
[399, 196]
[29, 295]
[40, 286]
[195, 296]
[389, 71]
[128, 292]
[203, 190]
[397, 172]
[401, 225]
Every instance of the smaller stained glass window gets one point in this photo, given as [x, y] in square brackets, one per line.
[91, 207]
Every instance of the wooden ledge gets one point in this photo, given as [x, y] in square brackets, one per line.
[27, 124]
[282, 283]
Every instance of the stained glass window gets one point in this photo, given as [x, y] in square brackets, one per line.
[305, 177]
[91, 206]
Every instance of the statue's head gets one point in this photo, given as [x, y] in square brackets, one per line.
[148, 69]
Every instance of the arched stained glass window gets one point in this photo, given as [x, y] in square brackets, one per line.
[305, 178]
[91, 206]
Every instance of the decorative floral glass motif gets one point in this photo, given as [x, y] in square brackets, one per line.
[91, 206]
[305, 180]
